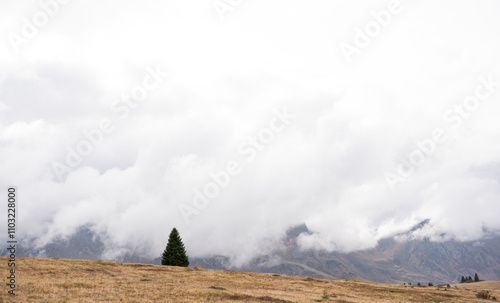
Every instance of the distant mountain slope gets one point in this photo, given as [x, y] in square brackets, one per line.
[390, 262]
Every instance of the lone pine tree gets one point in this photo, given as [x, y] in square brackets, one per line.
[175, 253]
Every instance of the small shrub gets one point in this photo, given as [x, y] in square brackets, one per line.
[483, 295]
[325, 295]
[448, 285]
[430, 284]
[494, 298]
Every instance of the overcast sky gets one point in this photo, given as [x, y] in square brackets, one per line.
[358, 118]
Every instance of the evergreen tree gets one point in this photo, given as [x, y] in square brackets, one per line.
[469, 279]
[476, 278]
[175, 253]
[463, 280]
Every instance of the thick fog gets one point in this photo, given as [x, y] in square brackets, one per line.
[236, 120]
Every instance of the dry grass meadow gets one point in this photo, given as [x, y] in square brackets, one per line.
[61, 280]
[489, 285]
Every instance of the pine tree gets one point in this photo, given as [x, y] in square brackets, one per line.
[469, 279]
[476, 278]
[463, 280]
[175, 253]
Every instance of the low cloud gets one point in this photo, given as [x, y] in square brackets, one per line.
[354, 122]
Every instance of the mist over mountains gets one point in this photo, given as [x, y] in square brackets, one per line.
[342, 139]
[399, 259]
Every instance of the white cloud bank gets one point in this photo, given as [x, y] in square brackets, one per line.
[355, 121]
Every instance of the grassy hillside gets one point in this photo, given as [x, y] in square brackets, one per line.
[61, 280]
[489, 285]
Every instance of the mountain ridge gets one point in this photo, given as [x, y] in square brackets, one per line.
[391, 261]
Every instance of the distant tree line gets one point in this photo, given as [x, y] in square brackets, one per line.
[468, 279]
[428, 284]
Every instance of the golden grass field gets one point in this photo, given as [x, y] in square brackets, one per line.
[489, 285]
[61, 280]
